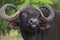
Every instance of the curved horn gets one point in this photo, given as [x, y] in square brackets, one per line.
[3, 14]
[51, 15]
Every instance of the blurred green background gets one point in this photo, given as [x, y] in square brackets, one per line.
[19, 3]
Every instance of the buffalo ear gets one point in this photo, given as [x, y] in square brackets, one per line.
[13, 24]
[45, 25]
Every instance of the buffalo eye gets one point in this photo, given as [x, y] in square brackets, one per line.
[24, 15]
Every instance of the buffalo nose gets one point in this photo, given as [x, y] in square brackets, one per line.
[33, 20]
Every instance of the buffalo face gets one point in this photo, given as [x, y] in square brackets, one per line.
[29, 20]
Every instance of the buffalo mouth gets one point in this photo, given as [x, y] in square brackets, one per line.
[34, 26]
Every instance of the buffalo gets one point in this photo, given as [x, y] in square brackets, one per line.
[35, 23]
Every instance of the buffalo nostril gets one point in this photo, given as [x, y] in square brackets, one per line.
[31, 21]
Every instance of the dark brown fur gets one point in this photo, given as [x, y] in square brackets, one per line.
[49, 34]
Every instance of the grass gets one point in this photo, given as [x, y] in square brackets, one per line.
[13, 35]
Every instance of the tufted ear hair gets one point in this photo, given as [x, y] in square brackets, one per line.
[45, 25]
[13, 24]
